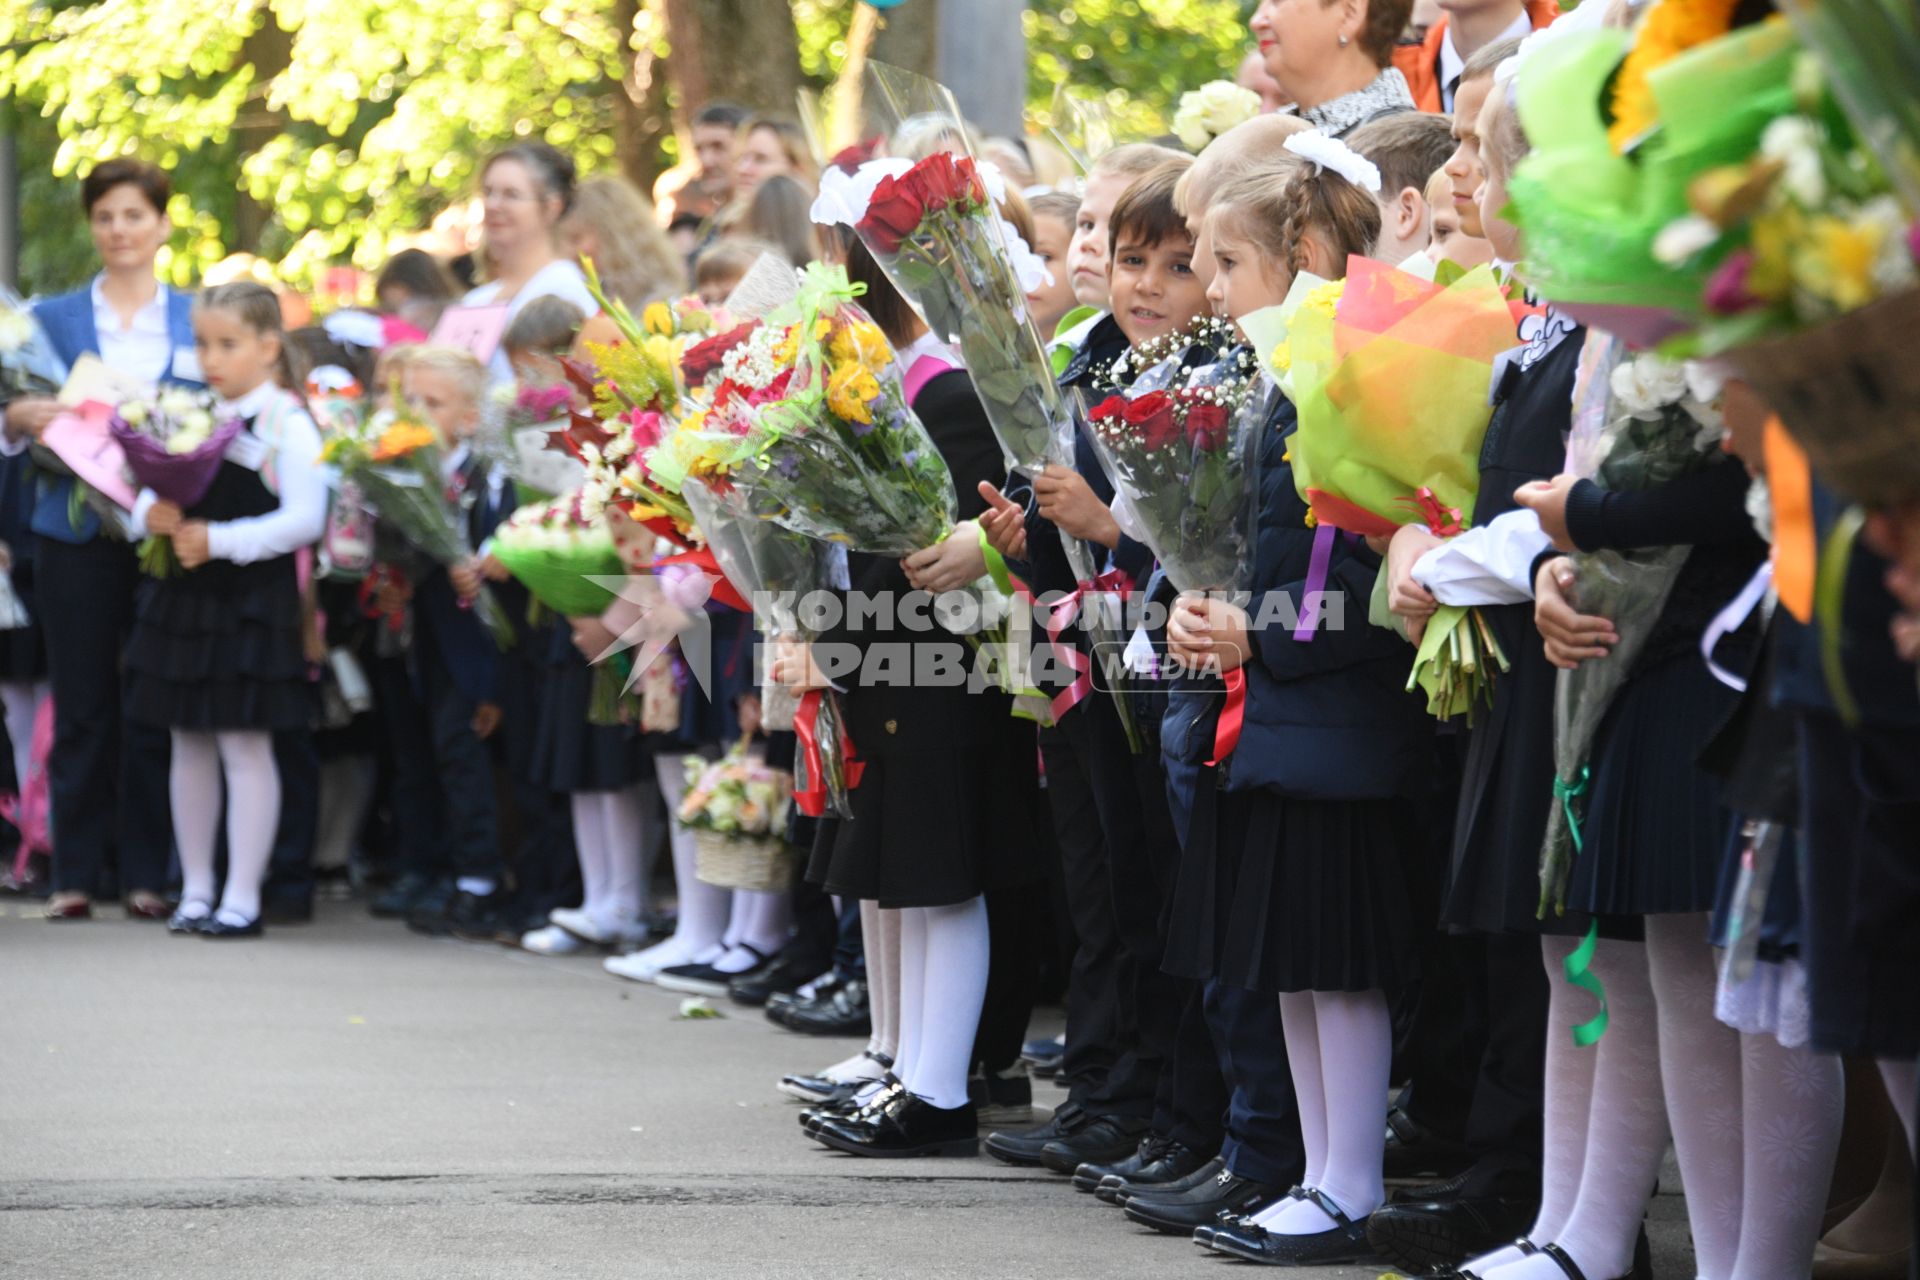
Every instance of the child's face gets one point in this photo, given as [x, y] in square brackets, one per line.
[1087, 254]
[235, 357]
[438, 398]
[1463, 166]
[1454, 244]
[1244, 279]
[1501, 234]
[714, 292]
[536, 368]
[1051, 237]
[1155, 291]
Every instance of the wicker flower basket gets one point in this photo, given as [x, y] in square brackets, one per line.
[761, 864]
[1849, 392]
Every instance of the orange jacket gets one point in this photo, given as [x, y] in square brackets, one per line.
[1420, 63]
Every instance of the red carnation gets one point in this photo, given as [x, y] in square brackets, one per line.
[703, 357]
[1207, 427]
[893, 214]
[1152, 415]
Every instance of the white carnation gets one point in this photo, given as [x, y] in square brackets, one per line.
[1682, 238]
[16, 330]
[1795, 142]
[1647, 384]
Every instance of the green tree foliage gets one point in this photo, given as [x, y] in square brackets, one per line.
[386, 106]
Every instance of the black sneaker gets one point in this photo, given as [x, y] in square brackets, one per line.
[472, 917]
[411, 892]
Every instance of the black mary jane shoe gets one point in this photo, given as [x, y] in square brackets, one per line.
[1241, 1221]
[1451, 1271]
[214, 927]
[906, 1127]
[180, 924]
[1346, 1241]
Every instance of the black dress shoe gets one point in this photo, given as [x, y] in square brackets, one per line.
[1345, 1241]
[852, 1105]
[1422, 1234]
[1107, 1138]
[411, 891]
[818, 1089]
[1151, 1153]
[821, 987]
[1415, 1151]
[1187, 1169]
[782, 977]
[903, 1128]
[844, 1013]
[471, 917]
[1177, 1213]
[215, 927]
[1024, 1147]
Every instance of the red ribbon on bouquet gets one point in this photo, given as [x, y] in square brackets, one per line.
[813, 800]
[378, 578]
[1059, 617]
[1442, 522]
[1226, 730]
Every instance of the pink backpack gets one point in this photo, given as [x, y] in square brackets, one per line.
[31, 810]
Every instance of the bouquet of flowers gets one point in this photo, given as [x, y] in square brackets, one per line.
[1639, 422]
[560, 552]
[1390, 375]
[173, 444]
[395, 463]
[28, 365]
[736, 808]
[1209, 111]
[933, 226]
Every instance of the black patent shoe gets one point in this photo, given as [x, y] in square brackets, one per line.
[1025, 1146]
[1104, 1140]
[905, 1127]
[1178, 1213]
[214, 927]
[180, 924]
[1422, 1235]
[782, 977]
[1181, 1169]
[844, 1012]
[853, 1105]
[1346, 1241]
[1415, 1151]
[815, 1090]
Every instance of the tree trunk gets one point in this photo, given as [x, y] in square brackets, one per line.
[640, 116]
[269, 49]
[743, 51]
[981, 54]
[909, 36]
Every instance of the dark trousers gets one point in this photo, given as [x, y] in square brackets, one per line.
[1263, 1122]
[546, 866]
[290, 872]
[816, 929]
[108, 778]
[470, 835]
[1015, 918]
[1118, 857]
[850, 950]
[1190, 1106]
[407, 768]
[1503, 1126]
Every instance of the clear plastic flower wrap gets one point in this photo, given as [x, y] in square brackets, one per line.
[1638, 423]
[29, 366]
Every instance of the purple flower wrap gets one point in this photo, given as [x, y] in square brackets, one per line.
[180, 478]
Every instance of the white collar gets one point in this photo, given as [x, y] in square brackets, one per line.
[254, 403]
[150, 318]
[455, 458]
[1452, 64]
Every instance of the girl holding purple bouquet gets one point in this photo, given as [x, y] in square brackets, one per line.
[216, 655]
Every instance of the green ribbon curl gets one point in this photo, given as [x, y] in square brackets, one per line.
[1579, 965]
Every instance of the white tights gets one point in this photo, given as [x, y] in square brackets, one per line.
[1340, 1049]
[880, 939]
[704, 909]
[613, 871]
[944, 952]
[253, 816]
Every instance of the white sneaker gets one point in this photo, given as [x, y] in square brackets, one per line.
[580, 923]
[551, 941]
[645, 966]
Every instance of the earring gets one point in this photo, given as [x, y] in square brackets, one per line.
[1344, 42]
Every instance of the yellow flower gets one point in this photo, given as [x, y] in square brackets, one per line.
[657, 319]
[1282, 357]
[1313, 521]
[849, 389]
[1776, 237]
[1325, 299]
[1670, 29]
[1836, 260]
[861, 342]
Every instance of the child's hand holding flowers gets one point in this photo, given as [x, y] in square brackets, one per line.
[190, 544]
[1207, 631]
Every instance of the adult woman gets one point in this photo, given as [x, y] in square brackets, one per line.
[777, 213]
[525, 191]
[109, 785]
[612, 226]
[770, 146]
[1332, 57]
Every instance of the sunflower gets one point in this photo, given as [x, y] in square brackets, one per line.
[1670, 28]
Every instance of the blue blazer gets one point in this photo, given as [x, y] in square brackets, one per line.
[1327, 719]
[450, 635]
[68, 321]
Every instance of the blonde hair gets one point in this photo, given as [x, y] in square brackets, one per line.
[1249, 147]
[1133, 160]
[730, 258]
[636, 262]
[1275, 212]
[460, 366]
[1439, 189]
[1503, 143]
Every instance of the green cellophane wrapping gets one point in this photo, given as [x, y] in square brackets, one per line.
[561, 575]
[1590, 216]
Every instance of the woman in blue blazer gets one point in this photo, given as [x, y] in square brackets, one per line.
[109, 780]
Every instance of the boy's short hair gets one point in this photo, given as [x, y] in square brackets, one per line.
[546, 325]
[1252, 146]
[1061, 206]
[457, 363]
[1483, 62]
[1133, 160]
[1406, 147]
[1145, 214]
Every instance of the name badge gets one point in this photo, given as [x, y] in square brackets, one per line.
[186, 365]
[247, 450]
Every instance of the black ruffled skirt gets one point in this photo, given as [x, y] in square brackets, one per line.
[1655, 831]
[1276, 893]
[205, 659]
[569, 753]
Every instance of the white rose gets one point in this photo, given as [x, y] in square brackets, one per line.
[16, 330]
[1212, 109]
[1795, 142]
[133, 413]
[1893, 266]
[1682, 238]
